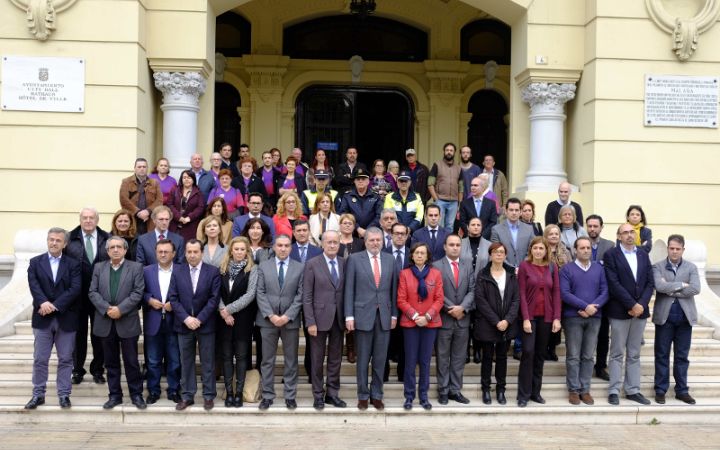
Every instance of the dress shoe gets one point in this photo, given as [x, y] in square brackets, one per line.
[351, 357]
[335, 401]
[587, 398]
[99, 379]
[238, 401]
[476, 358]
[173, 397]
[184, 404]
[407, 406]
[602, 374]
[265, 404]
[486, 397]
[501, 397]
[458, 397]
[77, 378]
[152, 399]
[64, 402]
[139, 402]
[537, 399]
[35, 402]
[443, 399]
[551, 356]
[426, 405]
[613, 399]
[685, 398]
[517, 355]
[660, 399]
[638, 398]
[290, 403]
[208, 404]
[362, 405]
[467, 359]
[377, 404]
[318, 404]
[111, 403]
[522, 403]
[574, 398]
[230, 400]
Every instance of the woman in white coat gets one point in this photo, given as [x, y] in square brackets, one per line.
[323, 217]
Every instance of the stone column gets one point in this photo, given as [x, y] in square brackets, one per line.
[181, 103]
[547, 131]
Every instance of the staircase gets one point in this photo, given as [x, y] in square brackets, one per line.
[16, 353]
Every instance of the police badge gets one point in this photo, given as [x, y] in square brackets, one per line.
[43, 74]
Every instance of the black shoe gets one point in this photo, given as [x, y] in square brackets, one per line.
[517, 356]
[501, 397]
[152, 399]
[476, 358]
[522, 403]
[111, 403]
[537, 399]
[613, 399]
[685, 398]
[486, 398]
[467, 359]
[319, 404]
[265, 404]
[638, 398]
[65, 402]
[407, 406]
[426, 405]
[602, 374]
[458, 397]
[660, 399]
[77, 378]
[551, 356]
[443, 399]
[335, 401]
[35, 402]
[230, 400]
[238, 401]
[173, 397]
[99, 379]
[139, 402]
[290, 403]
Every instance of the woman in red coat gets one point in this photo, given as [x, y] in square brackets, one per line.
[187, 205]
[288, 211]
[420, 300]
[540, 308]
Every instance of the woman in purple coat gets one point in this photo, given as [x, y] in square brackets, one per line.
[187, 205]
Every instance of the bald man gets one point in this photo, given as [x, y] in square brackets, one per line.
[553, 208]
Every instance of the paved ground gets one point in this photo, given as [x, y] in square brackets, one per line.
[536, 437]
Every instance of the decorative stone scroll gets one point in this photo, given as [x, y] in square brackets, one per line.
[685, 31]
[41, 15]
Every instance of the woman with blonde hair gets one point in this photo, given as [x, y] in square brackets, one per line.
[218, 207]
[214, 250]
[559, 255]
[288, 211]
[323, 218]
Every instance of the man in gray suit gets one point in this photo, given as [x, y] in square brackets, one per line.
[116, 290]
[370, 308]
[513, 233]
[452, 339]
[279, 300]
[676, 284]
[324, 317]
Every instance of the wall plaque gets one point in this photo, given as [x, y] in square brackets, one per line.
[681, 101]
[43, 84]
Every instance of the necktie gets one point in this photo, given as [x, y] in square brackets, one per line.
[388, 242]
[281, 274]
[376, 271]
[477, 207]
[398, 261]
[193, 277]
[302, 253]
[456, 273]
[161, 237]
[89, 248]
[433, 240]
[333, 273]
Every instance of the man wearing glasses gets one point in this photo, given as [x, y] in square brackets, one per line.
[255, 204]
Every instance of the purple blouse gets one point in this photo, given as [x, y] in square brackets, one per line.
[166, 186]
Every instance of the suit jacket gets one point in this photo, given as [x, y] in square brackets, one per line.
[202, 304]
[76, 249]
[515, 255]
[624, 290]
[129, 196]
[423, 235]
[240, 221]
[481, 258]
[283, 225]
[151, 316]
[406, 257]
[273, 299]
[129, 295]
[311, 252]
[240, 299]
[145, 252]
[408, 299]
[322, 300]
[463, 294]
[488, 215]
[363, 298]
[194, 209]
[63, 293]
[603, 246]
[668, 287]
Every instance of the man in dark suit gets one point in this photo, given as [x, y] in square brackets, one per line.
[553, 208]
[302, 250]
[323, 307]
[161, 341]
[433, 234]
[194, 296]
[87, 245]
[145, 253]
[255, 205]
[477, 206]
[371, 310]
[345, 172]
[401, 255]
[452, 340]
[630, 282]
[513, 233]
[116, 291]
[55, 282]
[279, 301]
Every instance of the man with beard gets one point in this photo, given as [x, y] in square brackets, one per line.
[345, 172]
[446, 186]
[469, 169]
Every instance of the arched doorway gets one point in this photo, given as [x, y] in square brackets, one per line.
[487, 130]
[227, 120]
[378, 121]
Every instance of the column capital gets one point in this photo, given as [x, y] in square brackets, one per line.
[180, 87]
[548, 94]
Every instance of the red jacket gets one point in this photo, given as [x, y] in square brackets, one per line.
[282, 225]
[530, 280]
[409, 303]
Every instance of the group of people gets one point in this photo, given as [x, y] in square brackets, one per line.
[237, 254]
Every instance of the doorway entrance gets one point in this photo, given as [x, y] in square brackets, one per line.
[377, 121]
[487, 130]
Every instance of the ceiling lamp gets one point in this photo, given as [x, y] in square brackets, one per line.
[362, 8]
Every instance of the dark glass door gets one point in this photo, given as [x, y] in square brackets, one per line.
[487, 132]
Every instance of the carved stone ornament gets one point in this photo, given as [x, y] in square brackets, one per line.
[685, 31]
[41, 15]
[549, 94]
[180, 86]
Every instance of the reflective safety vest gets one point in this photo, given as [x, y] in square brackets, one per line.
[410, 211]
[310, 196]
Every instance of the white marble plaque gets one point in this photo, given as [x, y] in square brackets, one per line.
[681, 101]
[43, 84]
